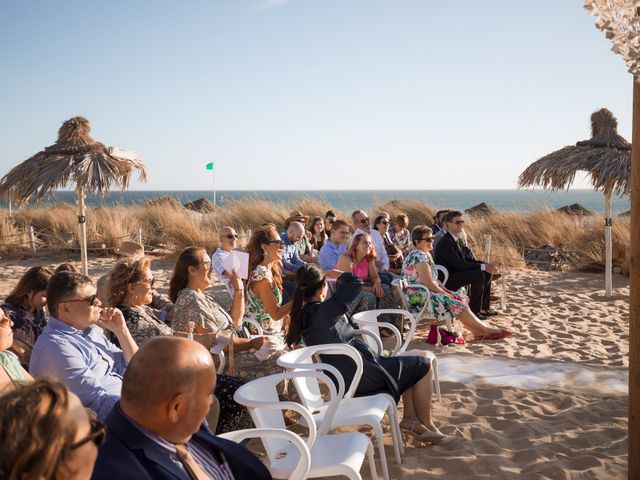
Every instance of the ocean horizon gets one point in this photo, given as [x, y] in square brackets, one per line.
[520, 201]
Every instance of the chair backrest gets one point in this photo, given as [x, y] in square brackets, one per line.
[368, 320]
[260, 396]
[303, 465]
[304, 358]
[445, 273]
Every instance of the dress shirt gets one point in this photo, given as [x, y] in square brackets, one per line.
[329, 255]
[291, 260]
[84, 360]
[216, 263]
[378, 244]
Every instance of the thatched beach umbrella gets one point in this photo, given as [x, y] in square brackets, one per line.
[78, 159]
[606, 156]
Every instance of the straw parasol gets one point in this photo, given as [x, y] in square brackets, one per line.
[75, 158]
[606, 157]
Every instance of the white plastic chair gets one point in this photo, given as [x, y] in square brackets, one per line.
[351, 410]
[340, 454]
[368, 321]
[284, 466]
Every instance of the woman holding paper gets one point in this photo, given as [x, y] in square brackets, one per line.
[131, 285]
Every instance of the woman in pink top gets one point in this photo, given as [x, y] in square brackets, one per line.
[360, 259]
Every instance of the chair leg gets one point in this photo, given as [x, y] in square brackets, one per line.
[383, 455]
[372, 462]
[396, 436]
[436, 380]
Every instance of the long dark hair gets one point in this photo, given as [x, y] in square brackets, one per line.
[256, 253]
[309, 279]
[34, 280]
[189, 257]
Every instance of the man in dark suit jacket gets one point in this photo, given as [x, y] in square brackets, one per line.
[156, 431]
[463, 268]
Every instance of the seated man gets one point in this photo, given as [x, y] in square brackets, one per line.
[361, 224]
[463, 268]
[228, 237]
[74, 351]
[305, 249]
[291, 260]
[156, 431]
[335, 247]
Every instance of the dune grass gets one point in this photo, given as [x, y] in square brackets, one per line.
[172, 227]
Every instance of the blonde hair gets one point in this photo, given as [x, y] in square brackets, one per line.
[124, 273]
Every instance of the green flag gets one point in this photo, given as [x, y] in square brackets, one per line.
[210, 166]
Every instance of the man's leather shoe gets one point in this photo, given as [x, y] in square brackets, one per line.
[489, 313]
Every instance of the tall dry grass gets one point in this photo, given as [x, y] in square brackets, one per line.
[172, 227]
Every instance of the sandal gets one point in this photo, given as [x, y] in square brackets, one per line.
[429, 436]
[493, 336]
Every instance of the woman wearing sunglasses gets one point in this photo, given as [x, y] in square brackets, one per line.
[25, 306]
[47, 434]
[419, 267]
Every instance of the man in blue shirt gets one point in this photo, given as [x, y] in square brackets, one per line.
[73, 350]
[335, 246]
[291, 260]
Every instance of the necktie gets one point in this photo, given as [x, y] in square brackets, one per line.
[195, 470]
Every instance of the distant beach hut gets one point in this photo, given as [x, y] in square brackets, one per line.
[202, 205]
[482, 209]
[606, 157]
[575, 209]
[75, 159]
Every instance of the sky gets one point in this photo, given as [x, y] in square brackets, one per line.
[310, 94]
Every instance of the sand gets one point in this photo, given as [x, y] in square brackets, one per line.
[549, 432]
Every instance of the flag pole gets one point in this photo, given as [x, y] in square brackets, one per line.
[214, 187]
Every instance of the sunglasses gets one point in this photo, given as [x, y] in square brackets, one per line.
[280, 243]
[149, 283]
[97, 433]
[384, 222]
[230, 236]
[93, 300]
[364, 220]
[459, 222]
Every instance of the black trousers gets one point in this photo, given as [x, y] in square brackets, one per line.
[480, 282]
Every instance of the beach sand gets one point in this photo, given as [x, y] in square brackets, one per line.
[507, 432]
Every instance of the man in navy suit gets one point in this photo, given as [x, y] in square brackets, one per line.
[155, 432]
[463, 267]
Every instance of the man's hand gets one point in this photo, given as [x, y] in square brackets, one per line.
[113, 320]
[490, 268]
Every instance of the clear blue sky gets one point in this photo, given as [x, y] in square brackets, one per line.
[310, 94]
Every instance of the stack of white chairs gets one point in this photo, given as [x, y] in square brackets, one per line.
[351, 411]
[331, 455]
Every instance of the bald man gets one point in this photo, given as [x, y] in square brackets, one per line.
[156, 431]
[291, 260]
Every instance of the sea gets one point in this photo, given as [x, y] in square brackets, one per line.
[520, 201]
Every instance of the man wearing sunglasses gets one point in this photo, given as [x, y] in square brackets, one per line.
[463, 268]
[74, 351]
[228, 242]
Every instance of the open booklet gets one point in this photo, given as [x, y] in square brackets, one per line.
[237, 262]
[221, 342]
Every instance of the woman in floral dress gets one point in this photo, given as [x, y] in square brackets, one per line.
[419, 267]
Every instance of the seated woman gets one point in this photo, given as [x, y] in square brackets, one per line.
[318, 321]
[360, 259]
[316, 233]
[11, 372]
[25, 306]
[381, 224]
[419, 267]
[47, 434]
[264, 286]
[131, 286]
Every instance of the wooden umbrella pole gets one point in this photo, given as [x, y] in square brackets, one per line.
[634, 303]
[83, 231]
[608, 261]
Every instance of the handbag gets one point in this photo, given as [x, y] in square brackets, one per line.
[441, 336]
